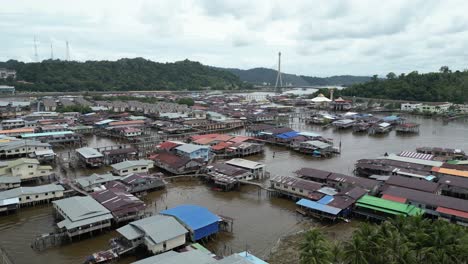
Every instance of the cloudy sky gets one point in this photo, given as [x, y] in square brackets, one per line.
[318, 38]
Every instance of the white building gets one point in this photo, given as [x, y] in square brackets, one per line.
[82, 214]
[6, 73]
[255, 168]
[132, 166]
[9, 182]
[435, 107]
[34, 195]
[26, 169]
[410, 106]
[20, 148]
[159, 233]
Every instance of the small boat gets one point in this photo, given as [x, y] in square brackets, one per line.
[100, 257]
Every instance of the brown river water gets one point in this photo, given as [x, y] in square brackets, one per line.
[259, 220]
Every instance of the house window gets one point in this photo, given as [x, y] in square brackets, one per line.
[46, 194]
[277, 185]
[37, 196]
[285, 186]
[30, 166]
[124, 171]
[135, 169]
[293, 189]
[300, 190]
[143, 168]
[27, 197]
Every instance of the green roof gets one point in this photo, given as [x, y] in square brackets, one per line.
[388, 206]
[458, 162]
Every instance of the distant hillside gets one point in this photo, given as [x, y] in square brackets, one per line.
[121, 75]
[264, 75]
[432, 87]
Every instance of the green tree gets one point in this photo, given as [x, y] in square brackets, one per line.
[186, 101]
[391, 76]
[315, 249]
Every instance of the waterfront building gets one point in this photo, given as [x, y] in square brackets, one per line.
[382, 209]
[319, 209]
[316, 148]
[256, 169]
[449, 172]
[143, 182]
[175, 164]
[132, 166]
[95, 181]
[380, 128]
[194, 151]
[407, 128]
[341, 105]
[343, 123]
[123, 205]
[19, 148]
[296, 187]
[49, 104]
[437, 107]
[438, 206]
[7, 73]
[59, 137]
[227, 176]
[113, 156]
[81, 215]
[316, 175]
[454, 186]
[412, 183]
[9, 182]
[16, 132]
[6, 89]
[158, 233]
[200, 222]
[26, 169]
[410, 106]
[126, 124]
[343, 182]
[90, 157]
[449, 153]
[12, 123]
[173, 257]
[33, 195]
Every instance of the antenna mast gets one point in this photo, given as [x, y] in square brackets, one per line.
[36, 57]
[51, 51]
[279, 80]
[67, 54]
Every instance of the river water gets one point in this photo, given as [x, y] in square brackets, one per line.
[259, 220]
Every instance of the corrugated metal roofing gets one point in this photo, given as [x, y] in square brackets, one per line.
[189, 148]
[452, 212]
[288, 135]
[195, 217]
[45, 134]
[318, 206]
[326, 199]
[380, 204]
[416, 155]
[243, 163]
[172, 257]
[157, 229]
[131, 163]
[88, 153]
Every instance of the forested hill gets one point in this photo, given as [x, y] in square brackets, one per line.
[433, 87]
[121, 75]
[264, 75]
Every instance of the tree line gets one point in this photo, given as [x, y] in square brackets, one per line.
[441, 86]
[120, 75]
[400, 240]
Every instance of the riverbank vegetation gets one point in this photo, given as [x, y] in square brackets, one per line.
[120, 75]
[444, 85]
[401, 240]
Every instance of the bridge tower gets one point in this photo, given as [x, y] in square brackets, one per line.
[279, 80]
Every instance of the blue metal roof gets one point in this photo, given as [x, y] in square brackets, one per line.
[326, 199]
[390, 118]
[199, 219]
[287, 135]
[319, 207]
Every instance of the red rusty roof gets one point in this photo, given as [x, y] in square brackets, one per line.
[394, 198]
[221, 146]
[452, 212]
[168, 145]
